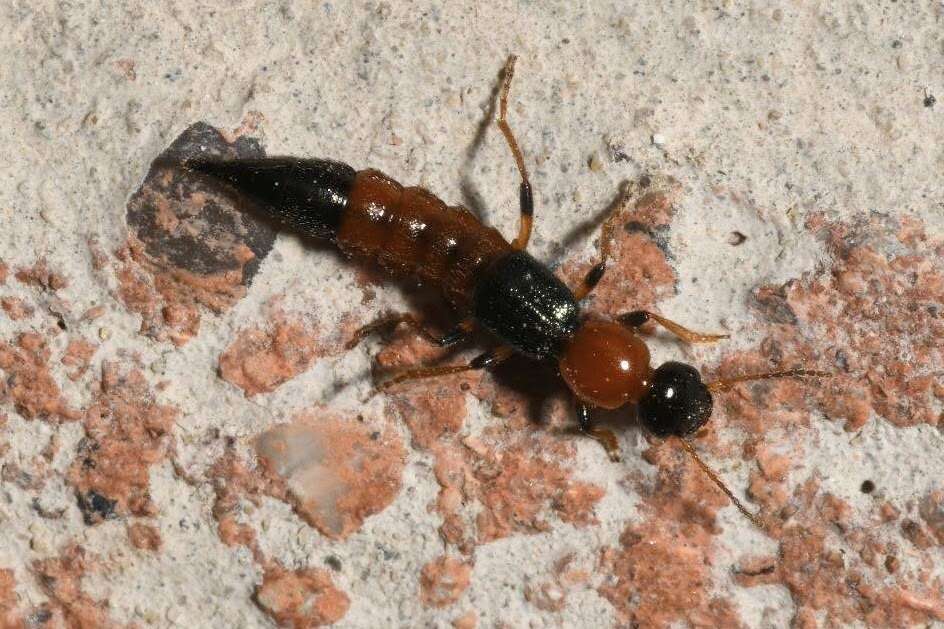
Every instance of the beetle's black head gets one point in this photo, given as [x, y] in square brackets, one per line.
[677, 402]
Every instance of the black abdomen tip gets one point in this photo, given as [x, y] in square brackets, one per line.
[308, 195]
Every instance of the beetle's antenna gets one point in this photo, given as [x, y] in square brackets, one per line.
[714, 477]
[725, 384]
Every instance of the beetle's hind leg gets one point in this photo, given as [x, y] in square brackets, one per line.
[525, 196]
[482, 361]
[389, 321]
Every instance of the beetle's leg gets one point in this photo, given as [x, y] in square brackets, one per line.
[482, 361]
[525, 197]
[595, 274]
[390, 321]
[605, 437]
[637, 318]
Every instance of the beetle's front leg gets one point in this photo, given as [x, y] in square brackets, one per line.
[605, 437]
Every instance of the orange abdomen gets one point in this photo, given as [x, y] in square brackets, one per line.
[411, 232]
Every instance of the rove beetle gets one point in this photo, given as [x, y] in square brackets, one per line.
[499, 286]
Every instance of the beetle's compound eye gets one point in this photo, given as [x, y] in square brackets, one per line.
[677, 403]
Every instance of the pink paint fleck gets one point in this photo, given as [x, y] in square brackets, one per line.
[144, 537]
[127, 432]
[259, 360]
[78, 355]
[40, 276]
[337, 471]
[192, 246]
[886, 283]
[873, 319]
[69, 605]
[301, 598]
[550, 593]
[9, 602]
[28, 385]
[16, 308]
[443, 581]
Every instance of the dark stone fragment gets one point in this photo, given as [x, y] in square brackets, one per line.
[186, 222]
[96, 508]
[40, 617]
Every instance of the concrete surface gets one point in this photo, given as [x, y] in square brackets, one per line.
[185, 442]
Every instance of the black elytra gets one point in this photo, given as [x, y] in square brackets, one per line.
[521, 302]
[678, 402]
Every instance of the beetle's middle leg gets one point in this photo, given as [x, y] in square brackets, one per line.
[525, 196]
[595, 274]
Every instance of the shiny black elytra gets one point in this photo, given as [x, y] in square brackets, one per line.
[497, 285]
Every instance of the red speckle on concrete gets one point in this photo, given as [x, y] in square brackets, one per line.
[232, 533]
[467, 620]
[917, 534]
[127, 432]
[515, 486]
[28, 384]
[878, 301]
[9, 618]
[3, 273]
[516, 483]
[125, 68]
[93, 313]
[550, 594]
[302, 598]
[169, 299]
[336, 470]
[826, 582]
[32, 479]
[663, 564]
[443, 581]
[78, 355]
[877, 320]
[61, 579]
[259, 360]
[233, 481]
[100, 258]
[41, 276]
[249, 125]
[16, 308]
[144, 536]
[873, 320]
[435, 415]
[932, 512]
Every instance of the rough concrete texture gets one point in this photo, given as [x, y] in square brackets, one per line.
[184, 440]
